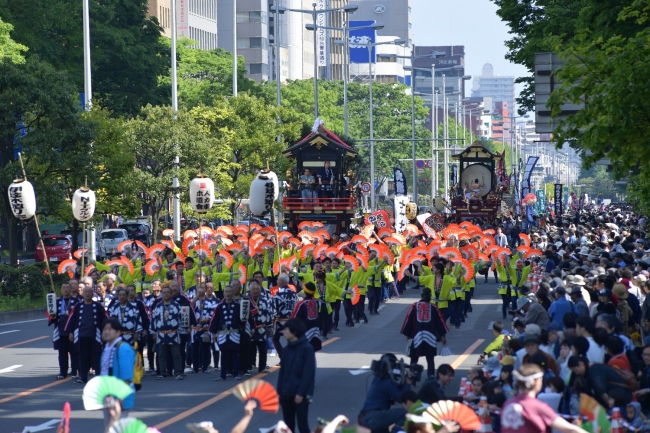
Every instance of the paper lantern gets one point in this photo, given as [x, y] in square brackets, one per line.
[261, 195]
[201, 194]
[22, 199]
[83, 204]
[276, 188]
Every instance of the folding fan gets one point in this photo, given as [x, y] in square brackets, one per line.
[467, 269]
[464, 236]
[368, 230]
[523, 249]
[111, 263]
[283, 237]
[319, 251]
[242, 273]
[77, 254]
[449, 252]
[532, 253]
[100, 387]
[356, 295]
[525, 238]
[376, 248]
[169, 244]
[254, 227]
[490, 232]
[210, 244]
[142, 246]
[267, 231]
[363, 255]
[188, 243]
[384, 232]
[129, 425]
[306, 250]
[64, 425]
[323, 234]
[190, 234]
[471, 251]
[475, 231]
[168, 233]
[154, 251]
[127, 264]
[359, 239]
[235, 248]
[305, 234]
[486, 241]
[304, 225]
[151, 267]
[390, 240]
[266, 244]
[69, 265]
[297, 243]
[203, 251]
[412, 229]
[387, 255]
[400, 238]
[89, 269]
[124, 246]
[352, 261]
[227, 258]
[447, 410]
[331, 252]
[317, 224]
[433, 249]
[180, 256]
[260, 390]
[492, 249]
[224, 230]
[465, 224]
[225, 242]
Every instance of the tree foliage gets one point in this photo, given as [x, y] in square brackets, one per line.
[8, 47]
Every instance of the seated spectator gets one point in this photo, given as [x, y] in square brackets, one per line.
[604, 380]
[507, 381]
[585, 327]
[531, 347]
[496, 344]
[633, 416]
[552, 394]
[560, 306]
[616, 352]
[477, 390]
[433, 389]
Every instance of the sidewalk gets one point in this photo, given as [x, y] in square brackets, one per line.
[21, 316]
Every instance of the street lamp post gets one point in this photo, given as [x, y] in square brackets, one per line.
[175, 183]
[234, 47]
[314, 14]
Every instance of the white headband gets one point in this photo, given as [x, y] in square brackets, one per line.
[528, 380]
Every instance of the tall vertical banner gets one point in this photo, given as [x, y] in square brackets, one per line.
[557, 199]
[541, 201]
[182, 11]
[454, 175]
[321, 34]
[401, 200]
[526, 187]
[359, 40]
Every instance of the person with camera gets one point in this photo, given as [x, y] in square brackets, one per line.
[424, 326]
[389, 382]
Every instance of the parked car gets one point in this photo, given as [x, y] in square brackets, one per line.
[112, 238]
[137, 231]
[100, 248]
[57, 248]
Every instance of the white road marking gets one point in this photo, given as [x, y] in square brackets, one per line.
[9, 332]
[24, 321]
[10, 369]
[490, 325]
[45, 426]
[381, 307]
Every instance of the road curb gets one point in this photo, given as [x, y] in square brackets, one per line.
[18, 316]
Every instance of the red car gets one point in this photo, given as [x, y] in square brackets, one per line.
[57, 247]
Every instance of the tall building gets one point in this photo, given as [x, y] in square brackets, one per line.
[395, 14]
[195, 19]
[497, 87]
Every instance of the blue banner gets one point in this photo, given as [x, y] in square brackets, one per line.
[359, 40]
[400, 182]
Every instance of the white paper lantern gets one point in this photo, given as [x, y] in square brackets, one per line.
[83, 204]
[22, 199]
[202, 194]
[276, 187]
[261, 195]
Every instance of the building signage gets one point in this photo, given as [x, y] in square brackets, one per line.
[557, 200]
[182, 25]
[321, 35]
[359, 40]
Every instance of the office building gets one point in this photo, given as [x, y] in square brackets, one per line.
[395, 14]
[195, 19]
[497, 87]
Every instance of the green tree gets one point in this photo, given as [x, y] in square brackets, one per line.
[127, 52]
[205, 75]
[8, 47]
[157, 138]
[57, 142]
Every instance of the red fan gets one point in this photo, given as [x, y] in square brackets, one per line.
[113, 263]
[188, 243]
[224, 230]
[450, 253]
[89, 269]
[124, 246]
[384, 232]
[363, 255]
[465, 224]
[284, 237]
[447, 410]
[375, 248]
[317, 224]
[471, 251]
[352, 261]
[304, 252]
[319, 251]
[464, 236]
[235, 248]
[296, 243]
[525, 238]
[305, 234]
[475, 231]
[151, 267]
[169, 233]
[486, 241]
[490, 232]
[467, 270]
[532, 253]
[323, 234]
[305, 225]
[154, 251]
[69, 266]
[331, 252]
[169, 244]
[387, 255]
[266, 244]
[356, 295]
[77, 254]
[254, 227]
[433, 249]
[501, 254]
[64, 425]
[242, 273]
[127, 263]
[405, 265]
[391, 240]
[263, 392]
[227, 258]
[359, 239]
[189, 234]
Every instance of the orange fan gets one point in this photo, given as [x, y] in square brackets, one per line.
[359, 239]
[89, 269]
[210, 244]
[203, 251]
[447, 410]
[412, 230]
[501, 254]
[486, 241]
[225, 242]
[126, 262]
[168, 233]
[467, 270]
[384, 232]
[254, 227]
[114, 263]
[465, 224]
[154, 251]
[352, 261]
[323, 234]
[532, 253]
[263, 392]
[391, 240]
[305, 234]
[142, 246]
[492, 249]
[450, 253]
[124, 246]
[69, 265]
[297, 243]
[235, 248]
[525, 238]
[464, 236]
[483, 257]
[363, 255]
[273, 290]
[523, 249]
[284, 237]
[331, 252]
[189, 234]
[490, 232]
[223, 230]
[77, 254]
[319, 251]
[187, 245]
[205, 231]
[227, 258]
[433, 249]
[356, 295]
[471, 251]
[405, 265]
[304, 252]
[242, 273]
[387, 255]
[317, 224]
[400, 238]
[151, 267]
[305, 225]
[169, 244]
[265, 244]
[267, 231]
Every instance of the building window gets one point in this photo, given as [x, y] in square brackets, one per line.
[242, 17]
[258, 68]
[252, 17]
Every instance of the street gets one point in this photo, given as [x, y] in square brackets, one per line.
[29, 395]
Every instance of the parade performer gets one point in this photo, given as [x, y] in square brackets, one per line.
[307, 312]
[441, 287]
[60, 338]
[128, 316]
[165, 322]
[84, 328]
[225, 329]
[424, 325]
[204, 307]
[262, 314]
[283, 302]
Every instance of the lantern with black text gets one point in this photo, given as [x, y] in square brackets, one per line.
[201, 194]
[83, 204]
[22, 199]
[262, 193]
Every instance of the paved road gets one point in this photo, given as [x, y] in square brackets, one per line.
[29, 396]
